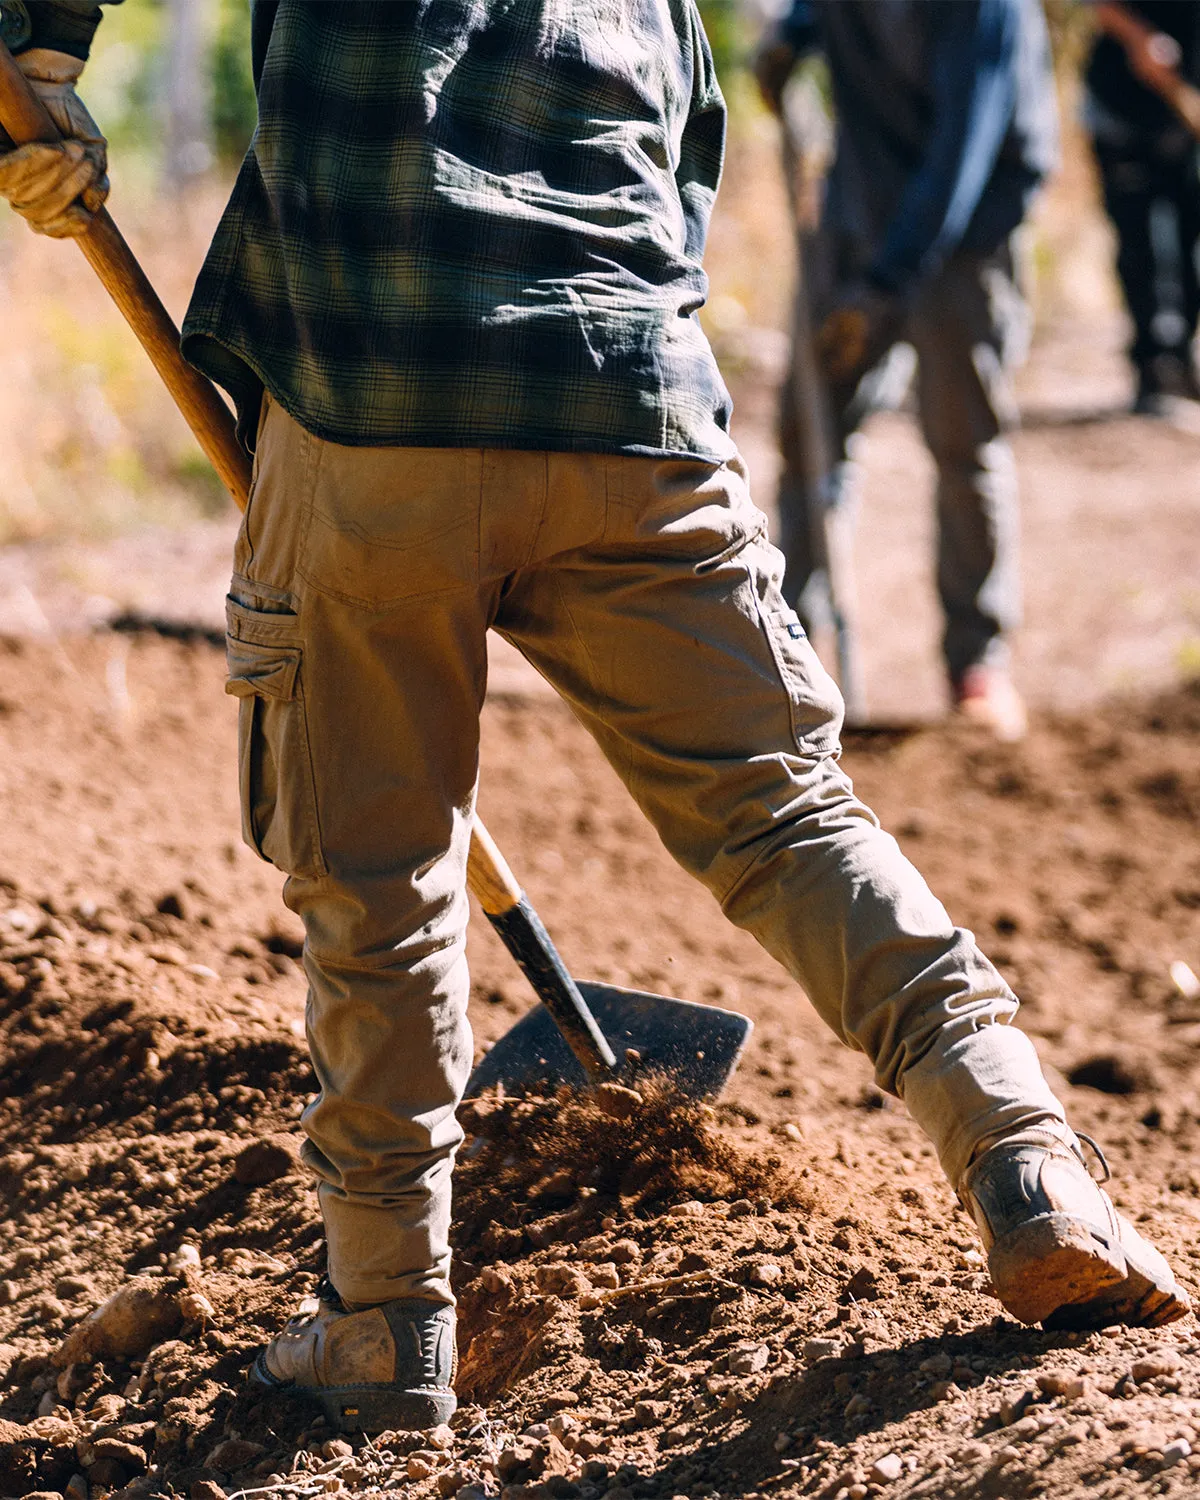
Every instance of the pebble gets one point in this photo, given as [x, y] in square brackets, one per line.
[616, 1101]
[693, 1209]
[336, 1448]
[418, 1467]
[1060, 1383]
[1176, 1452]
[888, 1469]
[766, 1273]
[605, 1276]
[441, 1437]
[184, 1260]
[749, 1359]
[815, 1349]
[495, 1280]
[1157, 1362]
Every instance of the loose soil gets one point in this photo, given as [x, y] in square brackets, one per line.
[776, 1295]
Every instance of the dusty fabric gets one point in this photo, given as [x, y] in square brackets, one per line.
[365, 582]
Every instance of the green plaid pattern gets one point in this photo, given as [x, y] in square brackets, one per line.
[474, 223]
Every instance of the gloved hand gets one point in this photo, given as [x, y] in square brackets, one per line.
[57, 187]
[773, 64]
[857, 334]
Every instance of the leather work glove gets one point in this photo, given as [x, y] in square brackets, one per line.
[857, 334]
[57, 187]
[773, 64]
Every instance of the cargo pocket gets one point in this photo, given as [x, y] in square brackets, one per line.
[816, 704]
[278, 791]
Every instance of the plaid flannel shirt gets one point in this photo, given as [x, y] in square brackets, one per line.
[474, 223]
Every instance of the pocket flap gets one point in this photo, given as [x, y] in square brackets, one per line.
[261, 671]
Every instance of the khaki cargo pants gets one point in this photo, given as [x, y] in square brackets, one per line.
[365, 581]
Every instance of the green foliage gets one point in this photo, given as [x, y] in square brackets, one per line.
[725, 23]
[235, 110]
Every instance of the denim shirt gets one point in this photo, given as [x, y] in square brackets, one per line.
[946, 124]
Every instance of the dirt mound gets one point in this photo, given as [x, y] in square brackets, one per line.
[774, 1296]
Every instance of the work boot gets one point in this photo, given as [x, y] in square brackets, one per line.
[1058, 1251]
[376, 1369]
[985, 694]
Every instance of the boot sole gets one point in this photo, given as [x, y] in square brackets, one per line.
[367, 1408]
[1053, 1263]
[1148, 1297]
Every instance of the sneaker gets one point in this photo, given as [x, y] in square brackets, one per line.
[986, 696]
[1058, 1252]
[377, 1369]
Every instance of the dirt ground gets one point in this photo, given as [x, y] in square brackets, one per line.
[778, 1296]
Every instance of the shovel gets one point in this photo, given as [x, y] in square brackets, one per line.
[586, 1033]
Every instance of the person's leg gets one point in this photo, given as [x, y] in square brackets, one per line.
[967, 325]
[670, 636]
[1128, 189]
[673, 641]
[357, 648]
[1185, 197]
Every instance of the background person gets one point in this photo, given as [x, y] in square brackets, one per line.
[1147, 160]
[946, 125]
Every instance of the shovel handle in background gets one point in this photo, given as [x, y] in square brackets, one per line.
[25, 120]
[830, 526]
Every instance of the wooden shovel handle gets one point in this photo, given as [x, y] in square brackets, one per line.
[25, 120]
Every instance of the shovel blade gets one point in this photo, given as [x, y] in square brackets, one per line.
[695, 1046]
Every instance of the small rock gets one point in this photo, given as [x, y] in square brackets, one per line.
[471, 1492]
[538, 1431]
[71, 1287]
[561, 1279]
[605, 1276]
[783, 1441]
[418, 1467]
[196, 1308]
[888, 1469]
[234, 1453]
[766, 1273]
[126, 1454]
[495, 1280]
[107, 1474]
[206, 1489]
[1157, 1362]
[616, 1101]
[266, 1161]
[77, 1488]
[815, 1349]
[749, 1359]
[563, 1425]
[449, 1482]
[1060, 1383]
[625, 1252]
[185, 1261]
[134, 1319]
[441, 1438]
[1176, 1452]
[649, 1413]
[336, 1448]
[693, 1209]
